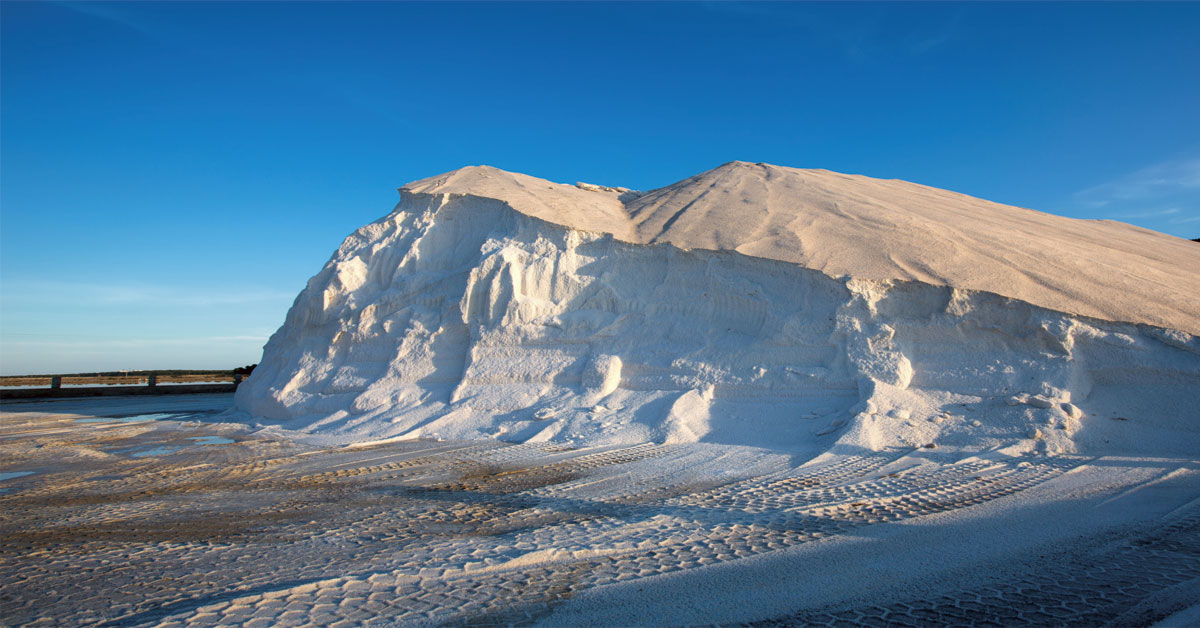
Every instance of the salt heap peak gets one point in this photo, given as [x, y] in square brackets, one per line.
[843, 224]
[749, 305]
[586, 207]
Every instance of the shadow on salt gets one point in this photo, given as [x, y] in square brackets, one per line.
[212, 440]
[12, 475]
[146, 451]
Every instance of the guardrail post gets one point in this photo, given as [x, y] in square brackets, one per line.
[56, 382]
[152, 381]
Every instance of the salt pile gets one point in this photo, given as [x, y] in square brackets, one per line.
[749, 305]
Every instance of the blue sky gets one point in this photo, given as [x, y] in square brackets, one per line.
[172, 173]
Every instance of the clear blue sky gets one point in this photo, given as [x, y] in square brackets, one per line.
[172, 173]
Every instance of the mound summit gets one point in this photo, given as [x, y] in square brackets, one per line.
[842, 224]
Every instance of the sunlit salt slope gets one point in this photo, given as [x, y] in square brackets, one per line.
[749, 305]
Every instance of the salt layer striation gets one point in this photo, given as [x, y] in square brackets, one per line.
[495, 305]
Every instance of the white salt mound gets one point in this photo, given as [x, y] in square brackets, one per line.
[748, 305]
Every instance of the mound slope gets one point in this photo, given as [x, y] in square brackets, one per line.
[843, 224]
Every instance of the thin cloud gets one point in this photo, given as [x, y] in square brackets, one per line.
[128, 343]
[948, 33]
[872, 34]
[1156, 213]
[1155, 182]
[124, 294]
[118, 15]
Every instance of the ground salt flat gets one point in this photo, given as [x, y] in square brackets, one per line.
[183, 521]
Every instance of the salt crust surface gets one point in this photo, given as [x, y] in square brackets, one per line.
[842, 224]
[750, 305]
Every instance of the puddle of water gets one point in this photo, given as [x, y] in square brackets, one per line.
[212, 440]
[9, 475]
[143, 452]
[135, 418]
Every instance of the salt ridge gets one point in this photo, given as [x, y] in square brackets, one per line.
[870, 228]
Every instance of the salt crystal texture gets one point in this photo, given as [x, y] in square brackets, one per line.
[748, 305]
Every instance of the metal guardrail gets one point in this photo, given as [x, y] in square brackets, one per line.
[151, 381]
[151, 387]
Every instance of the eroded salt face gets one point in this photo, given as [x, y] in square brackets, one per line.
[878, 229]
[459, 317]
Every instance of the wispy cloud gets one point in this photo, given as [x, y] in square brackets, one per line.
[862, 34]
[21, 355]
[55, 341]
[1153, 213]
[949, 31]
[1155, 182]
[1164, 197]
[118, 14]
[130, 294]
